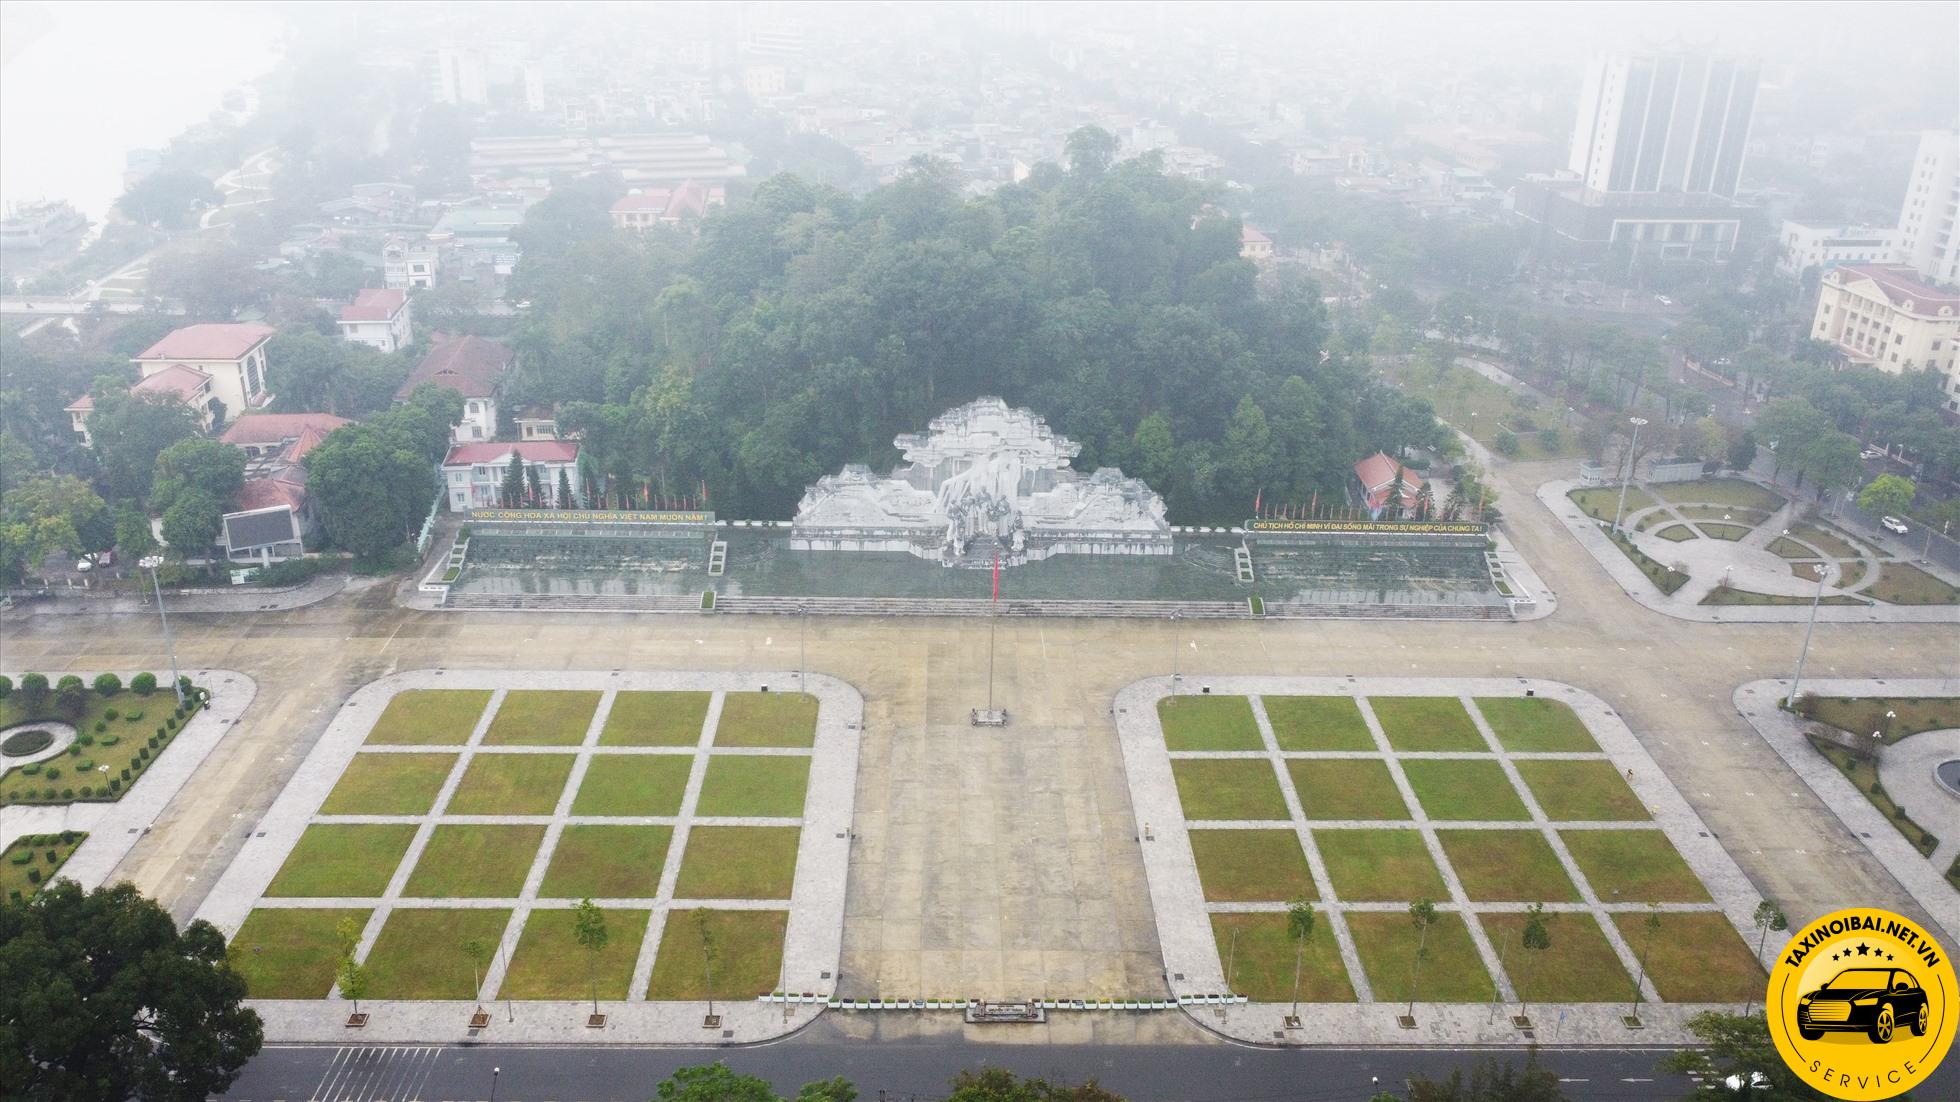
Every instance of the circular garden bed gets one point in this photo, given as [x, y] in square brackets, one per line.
[26, 742]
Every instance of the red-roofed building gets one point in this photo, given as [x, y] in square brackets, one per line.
[472, 367]
[378, 318]
[642, 208]
[287, 436]
[1377, 476]
[1885, 316]
[271, 517]
[1253, 245]
[177, 383]
[473, 474]
[231, 356]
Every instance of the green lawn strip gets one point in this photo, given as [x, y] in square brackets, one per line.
[1791, 549]
[1258, 956]
[1346, 788]
[738, 862]
[419, 953]
[655, 719]
[1600, 502]
[511, 784]
[290, 952]
[604, 861]
[1533, 724]
[46, 854]
[475, 860]
[1251, 866]
[1900, 584]
[1677, 533]
[1665, 578]
[61, 779]
[1483, 409]
[1724, 595]
[542, 717]
[1369, 866]
[1452, 973]
[1863, 776]
[389, 784]
[343, 859]
[429, 717]
[748, 955]
[1507, 866]
[550, 963]
[1719, 491]
[1208, 723]
[1426, 723]
[1579, 966]
[742, 784]
[1861, 715]
[1463, 789]
[1318, 723]
[633, 784]
[767, 719]
[1694, 957]
[1736, 513]
[1828, 541]
[1729, 532]
[1228, 788]
[1641, 865]
[1581, 791]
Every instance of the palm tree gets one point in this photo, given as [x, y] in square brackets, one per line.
[1537, 937]
[589, 927]
[1299, 927]
[1768, 917]
[1423, 913]
[478, 952]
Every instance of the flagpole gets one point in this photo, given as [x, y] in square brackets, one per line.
[993, 620]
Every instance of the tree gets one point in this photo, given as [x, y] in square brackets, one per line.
[168, 198]
[589, 928]
[49, 513]
[213, 281]
[195, 464]
[192, 523]
[1650, 926]
[1735, 1044]
[33, 693]
[1089, 151]
[71, 697]
[352, 976]
[1491, 1081]
[1001, 1085]
[1742, 453]
[1537, 938]
[713, 1083]
[565, 498]
[1888, 494]
[1299, 927]
[122, 1003]
[371, 487]
[834, 1089]
[511, 494]
[478, 952]
[130, 431]
[1768, 916]
[1423, 914]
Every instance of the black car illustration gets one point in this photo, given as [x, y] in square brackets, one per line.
[1872, 1001]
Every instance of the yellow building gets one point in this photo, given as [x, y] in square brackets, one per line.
[1884, 316]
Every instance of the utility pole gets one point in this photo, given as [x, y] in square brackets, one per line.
[1632, 457]
[150, 563]
[1797, 678]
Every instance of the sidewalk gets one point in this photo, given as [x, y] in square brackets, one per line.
[1906, 770]
[244, 598]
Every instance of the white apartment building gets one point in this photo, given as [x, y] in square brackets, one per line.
[1883, 316]
[1802, 246]
[379, 319]
[231, 355]
[460, 76]
[1663, 122]
[473, 474]
[1928, 237]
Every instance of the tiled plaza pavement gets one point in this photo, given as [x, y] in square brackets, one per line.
[1184, 914]
[490, 767]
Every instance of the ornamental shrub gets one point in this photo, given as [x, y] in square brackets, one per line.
[67, 793]
[53, 773]
[23, 857]
[86, 793]
[115, 785]
[108, 684]
[110, 740]
[67, 836]
[68, 681]
[84, 765]
[111, 713]
[33, 876]
[6, 686]
[143, 684]
[155, 737]
[33, 692]
[54, 857]
[171, 723]
[101, 726]
[132, 717]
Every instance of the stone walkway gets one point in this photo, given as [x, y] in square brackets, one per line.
[244, 598]
[1705, 567]
[1906, 771]
[114, 827]
[1190, 949]
[1922, 879]
[813, 940]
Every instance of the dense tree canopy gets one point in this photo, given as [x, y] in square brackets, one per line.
[130, 432]
[373, 482]
[805, 329]
[45, 513]
[169, 198]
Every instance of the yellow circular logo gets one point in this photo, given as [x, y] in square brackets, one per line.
[1862, 1004]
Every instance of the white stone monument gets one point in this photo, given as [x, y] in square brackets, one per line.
[985, 481]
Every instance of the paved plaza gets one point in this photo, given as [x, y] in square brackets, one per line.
[488, 805]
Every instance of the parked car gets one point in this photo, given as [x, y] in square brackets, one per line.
[83, 566]
[1872, 453]
[1663, 300]
[1893, 525]
[1872, 1001]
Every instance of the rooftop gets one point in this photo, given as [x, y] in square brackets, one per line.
[470, 366]
[533, 451]
[211, 341]
[181, 380]
[1900, 285]
[271, 428]
[374, 304]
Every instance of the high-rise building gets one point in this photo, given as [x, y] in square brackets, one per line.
[1928, 237]
[1663, 122]
[460, 76]
[534, 100]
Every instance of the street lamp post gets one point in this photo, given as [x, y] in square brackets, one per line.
[1174, 619]
[802, 649]
[1632, 443]
[150, 563]
[1816, 600]
[495, 1074]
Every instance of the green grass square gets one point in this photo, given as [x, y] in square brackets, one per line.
[419, 953]
[1464, 789]
[743, 784]
[1507, 866]
[1251, 866]
[1209, 723]
[1580, 966]
[542, 717]
[738, 862]
[1451, 973]
[550, 963]
[291, 952]
[429, 717]
[1694, 957]
[1258, 957]
[1426, 723]
[1581, 791]
[633, 784]
[1370, 866]
[511, 784]
[350, 860]
[389, 784]
[1228, 788]
[1641, 865]
[1533, 724]
[475, 861]
[1318, 723]
[655, 719]
[767, 719]
[1346, 788]
[748, 955]
[606, 862]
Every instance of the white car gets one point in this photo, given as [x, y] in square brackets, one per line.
[83, 566]
[1893, 525]
[1872, 453]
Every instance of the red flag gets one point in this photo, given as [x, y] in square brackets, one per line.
[1316, 500]
[996, 576]
[1256, 498]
